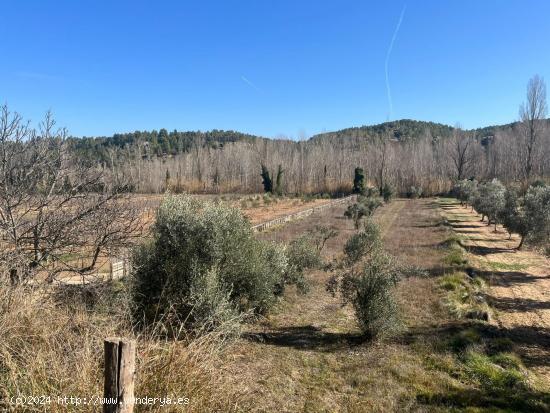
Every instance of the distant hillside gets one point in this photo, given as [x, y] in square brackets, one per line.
[405, 129]
[400, 130]
[154, 143]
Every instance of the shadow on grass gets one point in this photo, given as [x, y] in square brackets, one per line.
[307, 337]
[518, 400]
[480, 250]
[464, 226]
[457, 337]
[533, 343]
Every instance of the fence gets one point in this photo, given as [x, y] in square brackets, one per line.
[301, 214]
[116, 268]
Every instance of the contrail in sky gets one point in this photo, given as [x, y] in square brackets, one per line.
[388, 58]
[249, 83]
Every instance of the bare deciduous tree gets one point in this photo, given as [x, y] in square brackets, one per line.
[460, 149]
[57, 215]
[532, 114]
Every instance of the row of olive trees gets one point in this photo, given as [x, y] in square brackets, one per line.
[524, 213]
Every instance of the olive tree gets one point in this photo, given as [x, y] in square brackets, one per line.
[204, 266]
[367, 283]
[490, 201]
[364, 207]
[536, 210]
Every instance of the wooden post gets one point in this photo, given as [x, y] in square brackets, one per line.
[120, 367]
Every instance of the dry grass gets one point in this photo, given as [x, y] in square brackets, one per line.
[52, 349]
[306, 356]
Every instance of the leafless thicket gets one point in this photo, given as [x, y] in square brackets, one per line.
[56, 215]
[518, 153]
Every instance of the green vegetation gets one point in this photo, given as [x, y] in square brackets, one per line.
[527, 215]
[267, 182]
[153, 143]
[387, 192]
[204, 266]
[402, 130]
[364, 207]
[367, 283]
[359, 181]
[465, 296]
[504, 266]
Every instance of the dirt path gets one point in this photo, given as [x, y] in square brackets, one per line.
[519, 284]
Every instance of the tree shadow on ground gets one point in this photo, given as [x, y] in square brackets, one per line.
[506, 278]
[443, 337]
[481, 250]
[519, 400]
[451, 338]
[307, 337]
[465, 226]
[510, 304]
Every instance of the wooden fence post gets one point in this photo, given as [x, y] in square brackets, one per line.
[120, 368]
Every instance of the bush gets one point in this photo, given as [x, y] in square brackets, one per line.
[364, 207]
[302, 254]
[490, 200]
[370, 291]
[537, 216]
[414, 192]
[203, 266]
[511, 215]
[363, 243]
[387, 192]
[466, 191]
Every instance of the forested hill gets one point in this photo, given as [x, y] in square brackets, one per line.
[400, 129]
[154, 143]
[406, 129]
[161, 143]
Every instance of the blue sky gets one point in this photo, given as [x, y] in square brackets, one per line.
[271, 68]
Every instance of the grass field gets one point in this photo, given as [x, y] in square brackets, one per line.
[308, 356]
[475, 333]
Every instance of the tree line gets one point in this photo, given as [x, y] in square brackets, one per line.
[408, 155]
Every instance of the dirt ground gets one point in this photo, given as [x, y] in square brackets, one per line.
[519, 284]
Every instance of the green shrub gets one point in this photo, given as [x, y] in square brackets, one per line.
[359, 181]
[203, 266]
[369, 290]
[387, 192]
[491, 375]
[414, 192]
[364, 207]
[456, 258]
[302, 254]
[363, 243]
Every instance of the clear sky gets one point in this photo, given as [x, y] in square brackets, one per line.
[271, 68]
